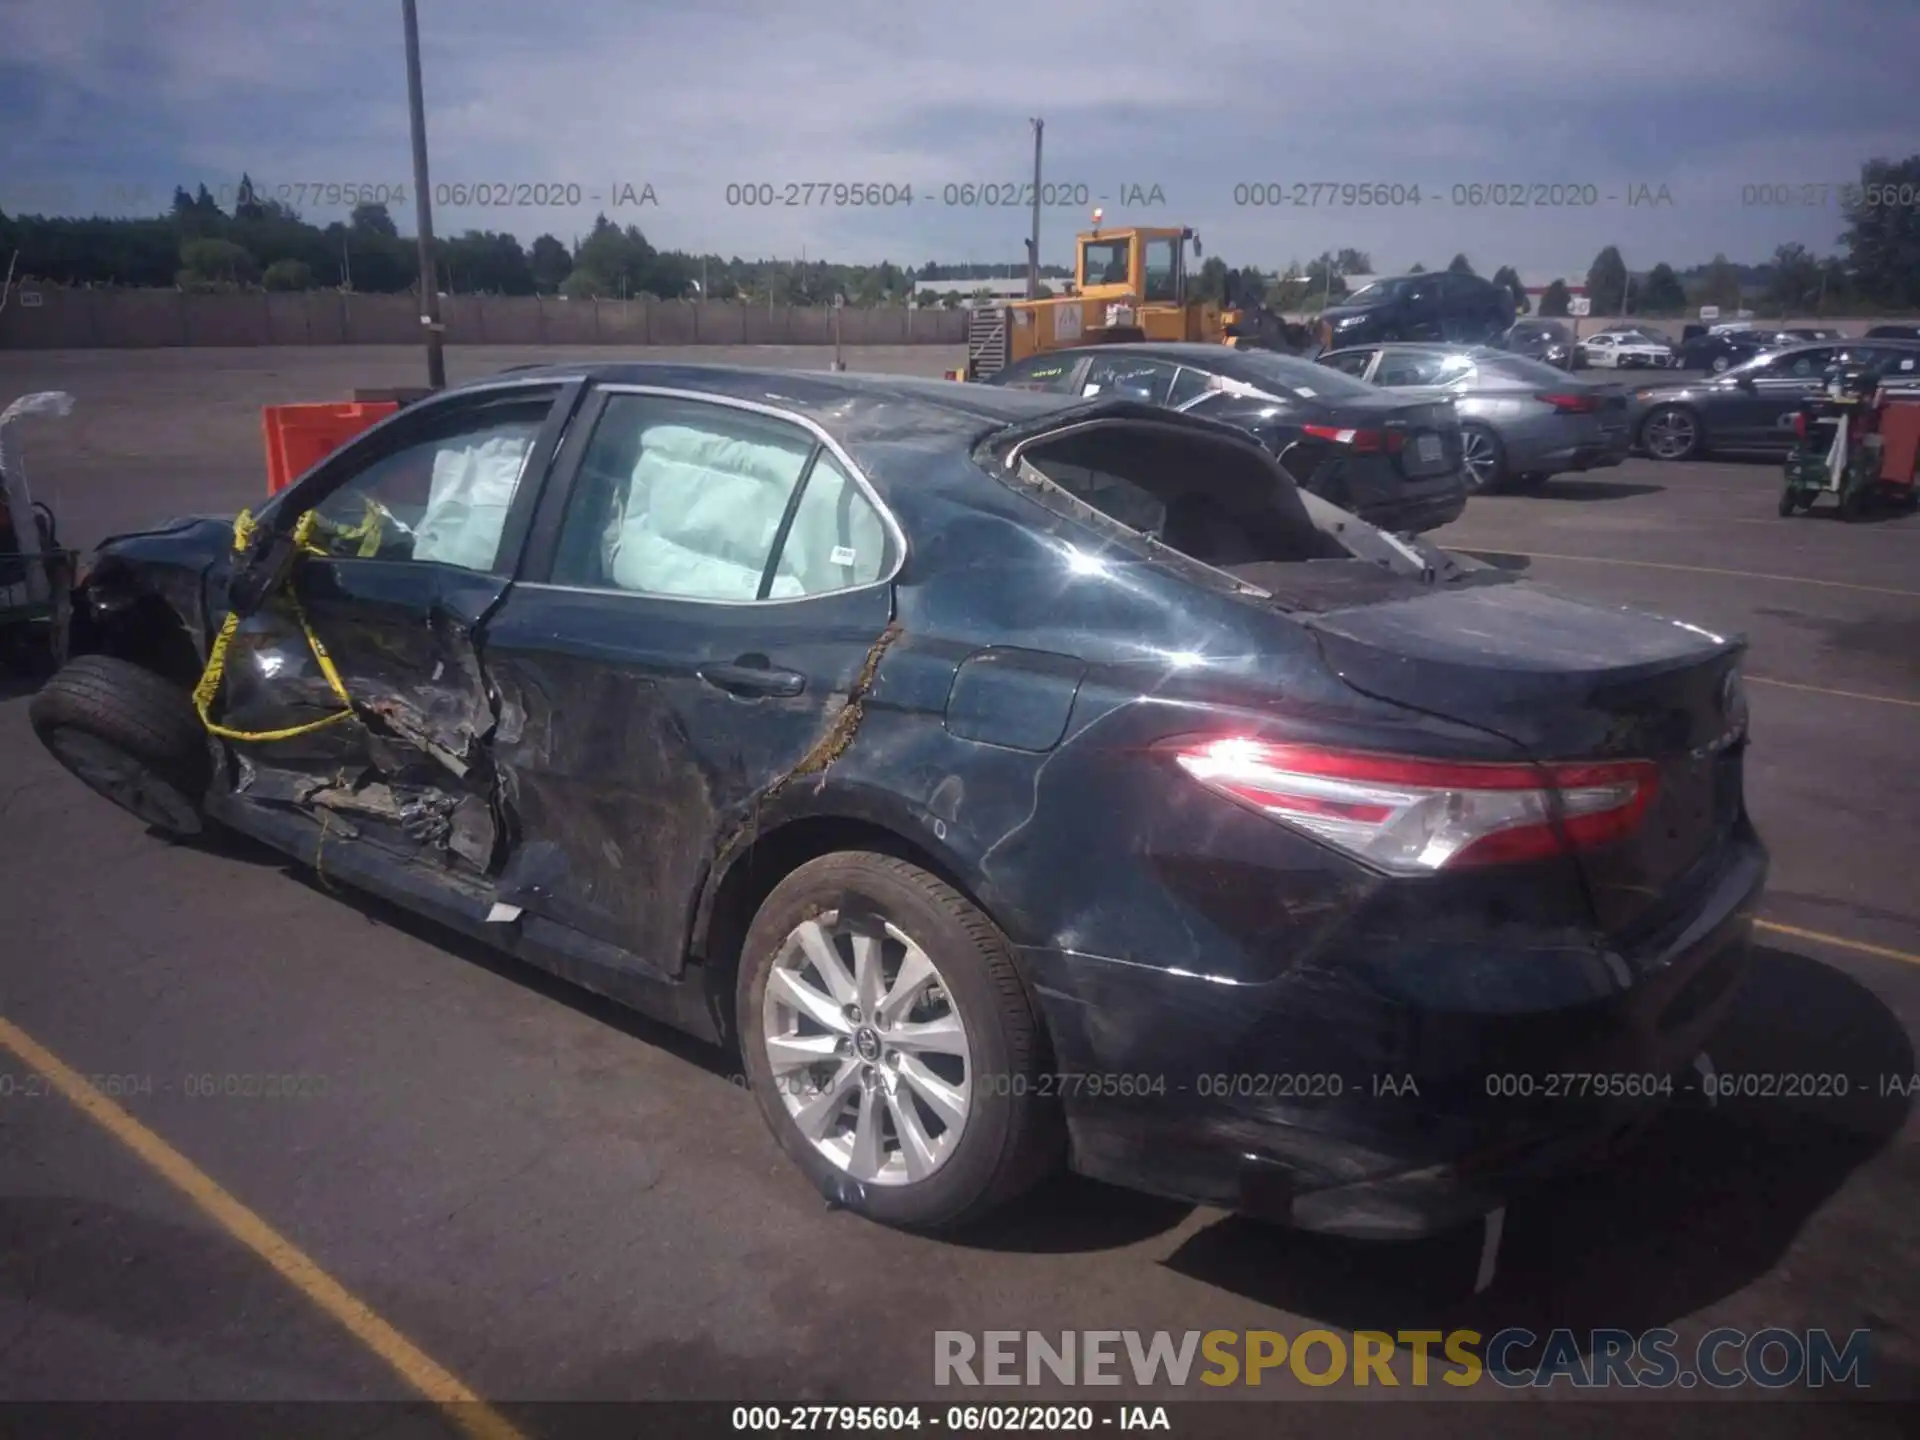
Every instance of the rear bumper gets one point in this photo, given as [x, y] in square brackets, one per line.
[1596, 456]
[1345, 1112]
[1417, 511]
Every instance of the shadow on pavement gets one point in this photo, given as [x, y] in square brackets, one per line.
[1706, 1203]
[1070, 1215]
[1501, 559]
[1568, 488]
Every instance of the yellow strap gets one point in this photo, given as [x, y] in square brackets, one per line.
[210, 678]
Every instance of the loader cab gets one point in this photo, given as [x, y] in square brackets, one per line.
[1147, 266]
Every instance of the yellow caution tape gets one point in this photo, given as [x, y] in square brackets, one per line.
[209, 686]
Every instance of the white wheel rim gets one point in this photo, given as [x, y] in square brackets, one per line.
[867, 1049]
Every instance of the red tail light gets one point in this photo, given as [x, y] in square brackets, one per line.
[1390, 442]
[1415, 816]
[1571, 404]
[1800, 424]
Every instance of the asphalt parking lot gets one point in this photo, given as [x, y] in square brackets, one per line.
[551, 1200]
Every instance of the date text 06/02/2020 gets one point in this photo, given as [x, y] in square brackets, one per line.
[956, 1419]
[960, 195]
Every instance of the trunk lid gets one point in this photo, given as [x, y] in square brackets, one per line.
[1423, 426]
[1566, 679]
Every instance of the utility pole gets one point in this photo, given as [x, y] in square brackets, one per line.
[1033, 241]
[423, 204]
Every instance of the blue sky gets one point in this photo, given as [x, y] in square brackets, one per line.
[101, 100]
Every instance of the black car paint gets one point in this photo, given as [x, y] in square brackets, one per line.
[1723, 351]
[990, 711]
[1377, 488]
[1421, 308]
[1544, 340]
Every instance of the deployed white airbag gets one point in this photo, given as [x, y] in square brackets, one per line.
[472, 489]
[701, 514]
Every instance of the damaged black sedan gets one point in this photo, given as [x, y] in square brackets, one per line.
[1017, 780]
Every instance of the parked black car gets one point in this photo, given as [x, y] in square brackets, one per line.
[1545, 340]
[1894, 332]
[1431, 306]
[1396, 462]
[1016, 781]
[1752, 406]
[1723, 351]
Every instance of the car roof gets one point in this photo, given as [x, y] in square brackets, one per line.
[1192, 352]
[852, 407]
[1841, 343]
[1443, 347]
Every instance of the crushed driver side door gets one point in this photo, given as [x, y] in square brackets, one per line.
[417, 528]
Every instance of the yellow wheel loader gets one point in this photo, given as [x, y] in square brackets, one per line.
[1129, 284]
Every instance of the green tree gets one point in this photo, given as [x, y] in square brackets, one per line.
[550, 261]
[1662, 293]
[1836, 284]
[1354, 262]
[1794, 282]
[372, 219]
[482, 261]
[214, 260]
[1607, 282]
[583, 283]
[246, 205]
[1553, 300]
[1416, 268]
[1882, 237]
[1720, 284]
[287, 275]
[1459, 265]
[1211, 282]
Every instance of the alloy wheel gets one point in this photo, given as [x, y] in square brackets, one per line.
[1670, 435]
[868, 1049]
[1481, 461]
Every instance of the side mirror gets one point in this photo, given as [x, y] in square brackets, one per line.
[259, 570]
[1745, 382]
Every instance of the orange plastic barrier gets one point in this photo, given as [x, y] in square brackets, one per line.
[301, 436]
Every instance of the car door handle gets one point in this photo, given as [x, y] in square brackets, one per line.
[741, 678]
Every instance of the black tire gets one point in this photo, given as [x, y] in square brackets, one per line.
[1012, 1137]
[1855, 503]
[1530, 483]
[1492, 478]
[131, 736]
[1789, 501]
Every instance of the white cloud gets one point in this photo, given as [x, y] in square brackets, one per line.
[1700, 97]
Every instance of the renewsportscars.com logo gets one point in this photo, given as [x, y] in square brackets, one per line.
[1722, 1359]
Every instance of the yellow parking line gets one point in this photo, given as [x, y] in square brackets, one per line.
[1843, 694]
[1691, 569]
[407, 1360]
[1883, 951]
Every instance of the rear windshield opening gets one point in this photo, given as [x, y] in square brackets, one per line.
[1215, 502]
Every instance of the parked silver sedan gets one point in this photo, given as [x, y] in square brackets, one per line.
[1521, 421]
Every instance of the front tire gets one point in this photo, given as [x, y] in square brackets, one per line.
[891, 1043]
[130, 736]
[1671, 433]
